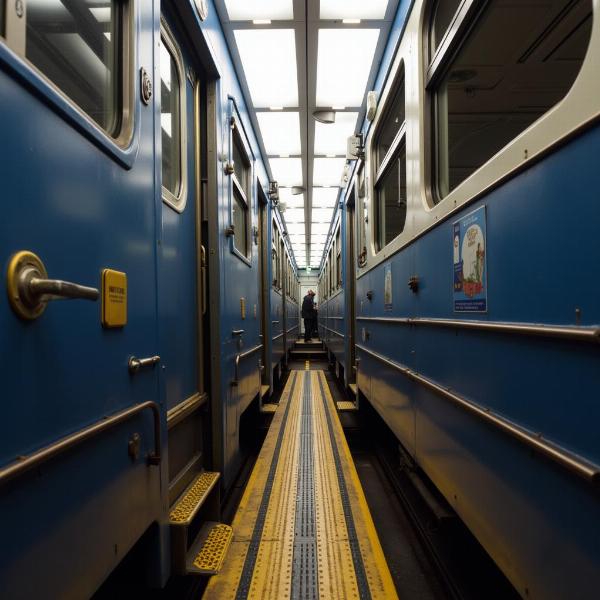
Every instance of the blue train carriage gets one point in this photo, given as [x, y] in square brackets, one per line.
[474, 205]
[284, 287]
[332, 310]
[148, 370]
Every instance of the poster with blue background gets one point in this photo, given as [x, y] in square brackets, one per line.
[470, 271]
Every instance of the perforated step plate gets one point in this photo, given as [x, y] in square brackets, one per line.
[345, 406]
[184, 510]
[207, 554]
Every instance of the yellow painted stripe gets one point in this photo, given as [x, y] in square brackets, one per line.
[377, 571]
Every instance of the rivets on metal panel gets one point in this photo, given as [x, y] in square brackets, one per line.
[145, 86]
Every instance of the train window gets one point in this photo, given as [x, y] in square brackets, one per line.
[390, 168]
[170, 119]
[281, 264]
[79, 47]
[487, 87]
[338, 260]
[443, 15]
[390, 193]
[241, 179]
[275, 256]
[361, 216]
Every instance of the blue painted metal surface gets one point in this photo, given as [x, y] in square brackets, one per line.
[82, 204]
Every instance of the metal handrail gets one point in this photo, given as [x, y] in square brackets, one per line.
[26, 463]
[558, 454]
[333, 331]
[588, 334]
[238, 358]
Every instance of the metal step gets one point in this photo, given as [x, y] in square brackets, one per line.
[264, 390]
[268, 408]
[188, 504]
[208, 552]
[304, 354]
[346, 406]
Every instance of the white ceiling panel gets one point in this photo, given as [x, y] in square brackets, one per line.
[249, 10]
[353, 9]
[322, 215]
[271, 75]
[333, 138]
[294, 215]
[287, 171]
[328, 171]
[295, 228]
[289, 199]
[280, 132]
[324, 197]
[343, 65]
[319, 228]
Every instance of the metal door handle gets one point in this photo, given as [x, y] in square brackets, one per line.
[135, 364]
[238, 331]
[29, 288]
[274, 322]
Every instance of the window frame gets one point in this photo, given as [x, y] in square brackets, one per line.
[122, 147]
[379, 168]
[237, 133]
[177, 202]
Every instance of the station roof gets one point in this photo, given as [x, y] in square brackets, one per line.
[295, 57]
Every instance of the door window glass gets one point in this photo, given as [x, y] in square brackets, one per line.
[170, 121]
[78, 46]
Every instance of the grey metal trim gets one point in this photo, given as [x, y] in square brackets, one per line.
[184, 409]
[251, 351]
[588, 334]
[571, 461]
[333, 331]
[26, 463]
[277, 337]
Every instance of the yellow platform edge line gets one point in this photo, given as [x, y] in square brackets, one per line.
[226, 583]
[361, 513]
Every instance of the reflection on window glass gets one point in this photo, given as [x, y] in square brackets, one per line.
[77, 46]
[241, 165]
[443, 14]
[240, 227]
[392, 121]
[170, 121]
[391, 199]
[497, 85]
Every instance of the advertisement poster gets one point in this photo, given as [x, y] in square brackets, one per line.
[387, 290]
[470, 271]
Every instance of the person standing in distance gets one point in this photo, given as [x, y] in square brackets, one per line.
[308, 314]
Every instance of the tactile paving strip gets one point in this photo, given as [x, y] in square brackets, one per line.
[304, 575]
[213, 552]
[193, 498]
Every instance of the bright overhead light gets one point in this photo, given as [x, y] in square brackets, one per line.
[353, 9]
[324, 197]
[263, 21]
[271, 75]
[294, 215]
[287, 171]
[319, 228]
[332, 139]
[328, 171]
[321, 215]
[257, 10]
[354, 48]
[349, 21]
[295, 228]
[280, 132]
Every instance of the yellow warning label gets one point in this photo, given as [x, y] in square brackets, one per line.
[114, 298]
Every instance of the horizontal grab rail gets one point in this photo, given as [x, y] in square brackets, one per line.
[26, 463]
[240, 357]
[589, 334]
[333, 331]
[564, 457]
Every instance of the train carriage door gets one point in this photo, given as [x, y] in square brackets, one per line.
[351, 288]
[181, 256]
[263, 280]
[79, 375]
